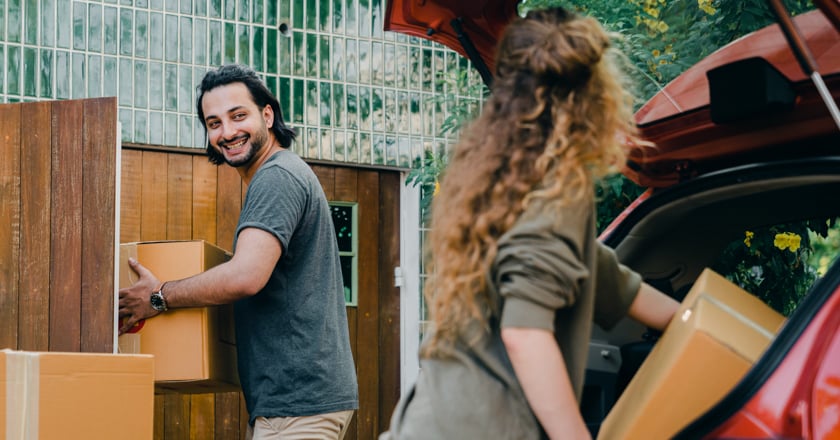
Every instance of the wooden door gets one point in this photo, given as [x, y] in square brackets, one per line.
[375, 320]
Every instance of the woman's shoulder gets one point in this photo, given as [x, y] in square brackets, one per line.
[556, 215]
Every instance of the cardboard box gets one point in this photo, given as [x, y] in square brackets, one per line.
[194, 348]
[716, 335]
[52, 396]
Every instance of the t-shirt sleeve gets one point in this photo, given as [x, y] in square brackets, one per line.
[539, 268]
[616, 287]
[275, 203]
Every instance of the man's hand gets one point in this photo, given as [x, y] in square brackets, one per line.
[134, 301]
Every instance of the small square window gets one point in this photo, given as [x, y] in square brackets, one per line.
[344, 216]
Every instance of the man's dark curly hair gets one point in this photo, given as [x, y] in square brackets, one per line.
[233, 73]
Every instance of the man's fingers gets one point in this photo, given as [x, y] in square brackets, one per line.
[138, 268]
[127, 324]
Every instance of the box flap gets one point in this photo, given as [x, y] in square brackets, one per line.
[711, 286]
[732, 328]
[214, 255]
[127, 276]
[22, 392]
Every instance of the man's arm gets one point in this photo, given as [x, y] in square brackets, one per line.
[256, 254]
[652, 307]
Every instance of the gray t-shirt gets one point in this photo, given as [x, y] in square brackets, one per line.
[551, 273]
[292, 337]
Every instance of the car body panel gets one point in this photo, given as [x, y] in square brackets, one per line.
[688, 142]
[826, 388]
[690, 90]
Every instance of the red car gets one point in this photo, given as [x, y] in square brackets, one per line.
[746, 140]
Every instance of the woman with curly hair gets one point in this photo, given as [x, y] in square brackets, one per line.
[518, 274]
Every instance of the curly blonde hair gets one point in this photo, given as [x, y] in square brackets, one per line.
[558, 118]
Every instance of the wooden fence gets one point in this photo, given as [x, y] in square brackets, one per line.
[58, 214]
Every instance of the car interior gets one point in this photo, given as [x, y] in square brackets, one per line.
[679, 231]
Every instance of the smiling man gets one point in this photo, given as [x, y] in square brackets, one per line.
[284, 279]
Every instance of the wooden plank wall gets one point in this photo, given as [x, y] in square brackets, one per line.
[171, 195]
[58, 202]
[57, 225]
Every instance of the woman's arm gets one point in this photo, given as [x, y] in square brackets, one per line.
[652, 307]
[541, 371]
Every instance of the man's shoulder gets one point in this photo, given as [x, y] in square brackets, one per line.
[285, 170]
[288, 163]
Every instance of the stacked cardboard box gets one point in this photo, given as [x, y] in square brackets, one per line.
[194, 348]
[51, 396]
[716, 335]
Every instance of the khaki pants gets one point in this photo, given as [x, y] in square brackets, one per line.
[331, 426]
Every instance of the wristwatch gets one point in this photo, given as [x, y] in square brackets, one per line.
[158, 301]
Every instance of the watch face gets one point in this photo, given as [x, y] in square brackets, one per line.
[157, 302]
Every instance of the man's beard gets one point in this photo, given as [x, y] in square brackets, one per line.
[255, 144]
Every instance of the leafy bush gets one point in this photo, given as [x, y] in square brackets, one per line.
[773, 262]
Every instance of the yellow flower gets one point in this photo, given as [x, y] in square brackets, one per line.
[781, 241]
[661, 26]
[787, 240]
[437, 188]
[706, 6]
[655, 52]
[795, 241]
[749, 236]
[709, 10]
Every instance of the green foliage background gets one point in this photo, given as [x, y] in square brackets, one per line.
[760, 262]
[661, 39]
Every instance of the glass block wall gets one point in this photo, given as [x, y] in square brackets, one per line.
[353, 92]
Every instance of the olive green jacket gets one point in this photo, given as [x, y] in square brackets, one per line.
[550, 273]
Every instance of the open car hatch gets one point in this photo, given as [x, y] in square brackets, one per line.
[746, 102]
[749, 99]
[470, 28]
